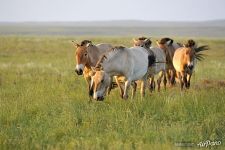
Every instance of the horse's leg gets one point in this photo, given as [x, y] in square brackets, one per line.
[184, 79]
[126, 88]
[172, 76]
[120, 87]
[151, 86]
[143, 86]
[164, 79]
[181, 81]
[168, 76]
[159, 80]
[188, 80]
[87, 77]
[134, 85]
[110, 87]
[90, 89]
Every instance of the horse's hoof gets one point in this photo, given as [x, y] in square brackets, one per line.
[125, 97]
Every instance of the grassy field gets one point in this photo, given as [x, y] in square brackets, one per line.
[44, 105]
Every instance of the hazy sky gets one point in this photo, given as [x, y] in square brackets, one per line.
[89, 10]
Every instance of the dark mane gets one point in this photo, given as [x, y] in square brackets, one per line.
[100, 61]
[142, 38]
[115, 48]
[164, 40]
[190, 43]
[147, 43]
[84, 42]
[104, 56]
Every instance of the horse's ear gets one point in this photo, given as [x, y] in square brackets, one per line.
[88, 44]
[75, 44]
[169, 42]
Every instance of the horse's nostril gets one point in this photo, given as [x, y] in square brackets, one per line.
[100, 98]
[79, 72]
[191, 67]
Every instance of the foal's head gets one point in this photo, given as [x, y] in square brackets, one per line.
[100, 81]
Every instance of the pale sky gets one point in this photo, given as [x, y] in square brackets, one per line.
[95, 10]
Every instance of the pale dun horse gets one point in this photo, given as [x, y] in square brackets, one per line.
[184, 61]
[160, 65]
[132, 63]
[169, 47]
[86, 56]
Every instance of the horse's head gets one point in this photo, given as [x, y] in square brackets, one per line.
[165, 43]
[81, 55]
[189, 56]
[100, 81]
[142, 42]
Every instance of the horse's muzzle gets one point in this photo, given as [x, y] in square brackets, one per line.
[100, 98]
[190, 67]
[79, 72]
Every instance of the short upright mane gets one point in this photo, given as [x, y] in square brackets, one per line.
[190, 43]
[142, 38]
[164, 40]
[111, 52]
[84, 42]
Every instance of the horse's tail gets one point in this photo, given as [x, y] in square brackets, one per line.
[151, 60]
[198, 55]
[201, 48]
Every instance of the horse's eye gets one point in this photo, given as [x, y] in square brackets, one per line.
[102, 80]
[85, 54]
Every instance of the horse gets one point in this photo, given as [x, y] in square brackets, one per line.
[169, 47]
[132, 63]
[185, 59]
[86, 56]
[160, 65]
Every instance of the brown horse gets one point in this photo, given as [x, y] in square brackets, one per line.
[86, 56]
[169, 47]
[185, 59]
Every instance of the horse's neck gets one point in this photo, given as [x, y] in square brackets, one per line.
[111, 66]
[94, 56]
[172, 50]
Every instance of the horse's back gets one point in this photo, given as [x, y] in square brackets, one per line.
[138, 60]
[104, 46]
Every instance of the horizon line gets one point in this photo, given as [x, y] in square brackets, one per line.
[115, 20]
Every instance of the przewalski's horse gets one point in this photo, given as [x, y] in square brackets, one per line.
[159, 66]
[86, 56]
[132, 63]
[185, 59]
[169, 47]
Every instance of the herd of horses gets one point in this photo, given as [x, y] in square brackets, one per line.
[100, 63]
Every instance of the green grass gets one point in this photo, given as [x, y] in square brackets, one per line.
[44, 105]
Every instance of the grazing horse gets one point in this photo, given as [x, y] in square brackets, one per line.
[185, 59]
[86, 56]
[159, 66]
[132, 63]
